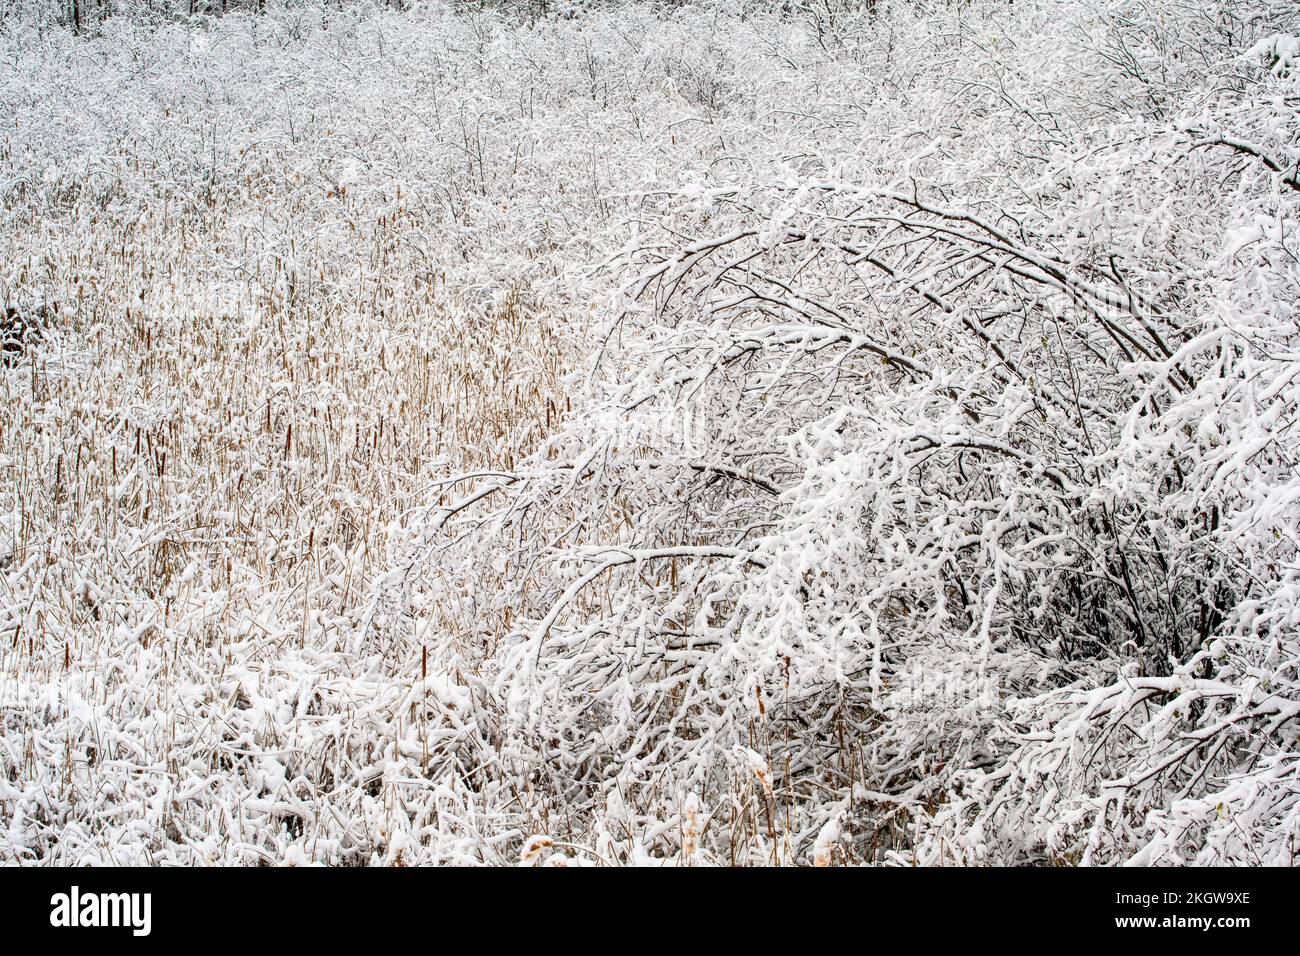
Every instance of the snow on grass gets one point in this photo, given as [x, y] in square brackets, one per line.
[693, 436]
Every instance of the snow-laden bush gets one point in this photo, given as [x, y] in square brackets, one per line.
[961, 499]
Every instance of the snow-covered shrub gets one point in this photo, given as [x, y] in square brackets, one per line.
[841, 430]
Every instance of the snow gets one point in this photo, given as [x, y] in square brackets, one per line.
[717, 434]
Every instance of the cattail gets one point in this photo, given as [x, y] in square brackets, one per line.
[758, 766]
[824, 846]
[691, 828]
[533, 848]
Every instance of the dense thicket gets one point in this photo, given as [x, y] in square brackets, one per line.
[923, 488]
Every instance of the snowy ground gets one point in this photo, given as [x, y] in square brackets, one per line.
[859, 435]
